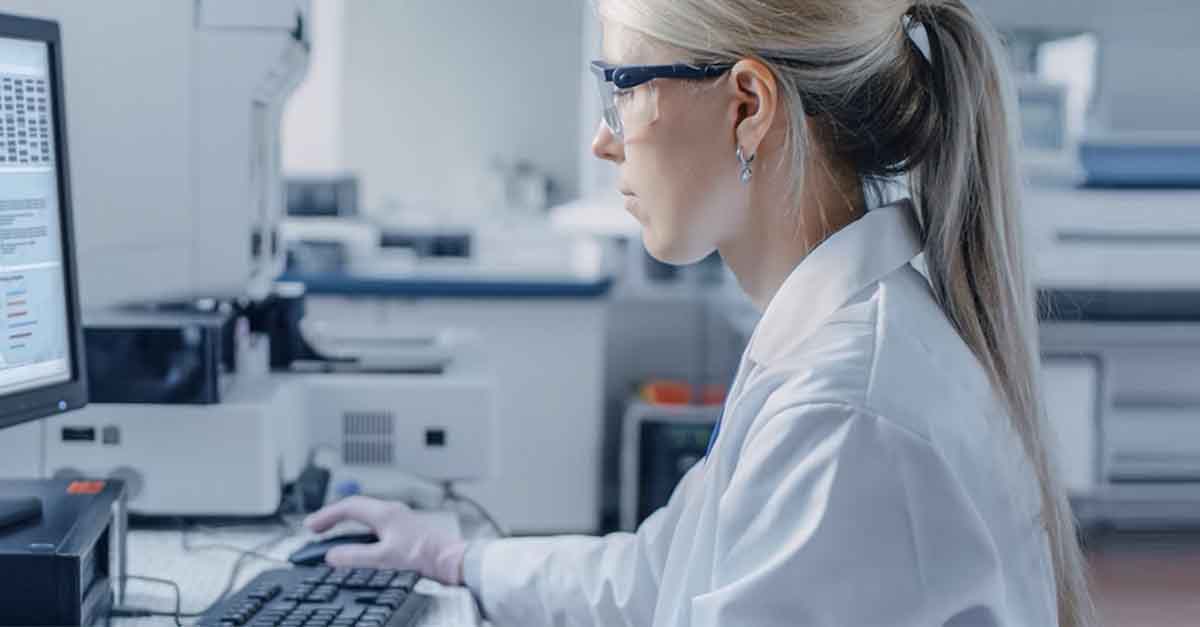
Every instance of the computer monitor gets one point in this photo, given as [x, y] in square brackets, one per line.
[41, 348]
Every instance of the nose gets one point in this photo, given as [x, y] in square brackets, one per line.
[606, 147]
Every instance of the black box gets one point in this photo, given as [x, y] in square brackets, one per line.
[158, 356]
[60, 569]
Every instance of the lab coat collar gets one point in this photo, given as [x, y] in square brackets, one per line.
[862, 253]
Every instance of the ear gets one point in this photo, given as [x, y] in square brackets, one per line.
[756, 103]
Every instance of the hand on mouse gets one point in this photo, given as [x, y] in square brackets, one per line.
[406, 541]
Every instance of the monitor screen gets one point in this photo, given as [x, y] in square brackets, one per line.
[34, 348]
[40, 365]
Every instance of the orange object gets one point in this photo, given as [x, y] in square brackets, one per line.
[667, 393]
[713, 395]
[85, 487]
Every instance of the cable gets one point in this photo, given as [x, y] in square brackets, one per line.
[222, 546]
[137, 612]
[445, 487]
[450, 494]
[243, 554]
[239, 550]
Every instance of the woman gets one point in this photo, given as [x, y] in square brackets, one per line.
[881, 459]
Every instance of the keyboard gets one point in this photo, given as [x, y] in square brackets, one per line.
[323, 597]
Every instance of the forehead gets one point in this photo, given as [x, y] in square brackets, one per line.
[624, 46]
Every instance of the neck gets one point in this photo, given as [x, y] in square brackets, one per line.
[777, 237]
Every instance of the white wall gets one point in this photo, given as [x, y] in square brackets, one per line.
[435, 90]
[312, 122]
[596, 177]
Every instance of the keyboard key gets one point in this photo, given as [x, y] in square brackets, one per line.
[282, 606]
[318, 575]
[280, 599]
[267, 593]
[405, 581]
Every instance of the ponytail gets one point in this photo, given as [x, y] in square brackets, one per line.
[967, 191]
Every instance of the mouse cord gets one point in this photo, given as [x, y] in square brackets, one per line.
[450, 494]
[243, 556]
[139, 612]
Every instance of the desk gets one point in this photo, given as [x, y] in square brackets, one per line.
[202, 567]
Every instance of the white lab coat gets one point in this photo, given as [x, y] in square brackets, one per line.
[865, 474]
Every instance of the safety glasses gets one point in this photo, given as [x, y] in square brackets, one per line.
[623, 105]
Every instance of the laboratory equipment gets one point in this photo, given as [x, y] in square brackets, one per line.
[382, 427]
[539, 344]
[445, 242]
[376, 348]
[323, 597]
[1043, 112]
[61, 568]
[182, 153]
[225, 459]
[660, 443]
[1116, 274]
[322, 196]
[170, 183]
[197, 124]
[155, 356]
[1144, 160]
[323, 244]
[233, 458]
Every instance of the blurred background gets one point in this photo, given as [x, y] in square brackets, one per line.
[404, 193]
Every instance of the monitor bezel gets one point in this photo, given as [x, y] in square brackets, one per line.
[72, 394]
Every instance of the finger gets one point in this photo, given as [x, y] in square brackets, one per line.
[371, 512]
[355, 556]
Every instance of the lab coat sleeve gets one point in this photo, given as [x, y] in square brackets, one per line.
[835, 516]
[578, 580]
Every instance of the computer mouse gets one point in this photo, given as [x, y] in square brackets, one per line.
[313, 553]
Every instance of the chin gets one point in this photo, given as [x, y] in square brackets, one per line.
[674, 251]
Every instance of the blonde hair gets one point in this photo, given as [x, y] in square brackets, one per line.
[946, 122]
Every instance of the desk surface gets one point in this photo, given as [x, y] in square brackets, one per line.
[202, 567]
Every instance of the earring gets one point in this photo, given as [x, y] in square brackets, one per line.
[747, 171]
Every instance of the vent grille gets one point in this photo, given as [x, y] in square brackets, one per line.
[367, 438]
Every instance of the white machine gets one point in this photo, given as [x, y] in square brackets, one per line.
[176, 114]
[185, 460]
[175, 111]
[1119, 272]
[232, 459]
[381, 427]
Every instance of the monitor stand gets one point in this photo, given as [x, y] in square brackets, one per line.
[17, 511]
